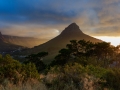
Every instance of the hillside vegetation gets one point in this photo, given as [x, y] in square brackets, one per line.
[82, 65]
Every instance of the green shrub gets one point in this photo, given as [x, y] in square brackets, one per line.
[14, 71]
[72, 77]
[112, 78]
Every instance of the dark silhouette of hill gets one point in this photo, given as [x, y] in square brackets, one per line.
[72, 32]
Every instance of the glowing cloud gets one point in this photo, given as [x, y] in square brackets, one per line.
[39, 18]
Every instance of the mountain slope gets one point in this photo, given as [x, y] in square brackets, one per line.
[72, 32]
[23, 41]
[7, 47]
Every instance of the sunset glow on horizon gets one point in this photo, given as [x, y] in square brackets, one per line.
[113, 40]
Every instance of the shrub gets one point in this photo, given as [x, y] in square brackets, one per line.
[14, 71]
[72, 77]
[112, 78]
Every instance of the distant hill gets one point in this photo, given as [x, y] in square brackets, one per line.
[22, 41]
[7, 47]
[72, 32]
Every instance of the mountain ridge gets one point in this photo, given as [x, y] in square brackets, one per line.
[22, 41]
[7, 47]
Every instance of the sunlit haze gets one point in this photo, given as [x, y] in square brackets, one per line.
[113, 40]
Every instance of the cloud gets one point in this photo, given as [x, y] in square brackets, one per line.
[41, 18]
[31, 31]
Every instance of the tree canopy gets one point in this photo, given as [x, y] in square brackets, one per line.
[37, 60]
[102, 52]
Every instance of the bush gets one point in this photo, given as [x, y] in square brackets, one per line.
[112, 78]
[31, 84]
[71, 77]
[14, 71]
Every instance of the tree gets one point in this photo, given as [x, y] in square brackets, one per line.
[104, 51]
[37, 60]
[63, 57]
[15, 71]
[73, 51]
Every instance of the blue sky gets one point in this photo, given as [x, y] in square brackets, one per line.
[47, 18]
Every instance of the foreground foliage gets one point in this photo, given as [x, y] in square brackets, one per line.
[82, 65]
[37, 60]
[16, 72]
[74, 76]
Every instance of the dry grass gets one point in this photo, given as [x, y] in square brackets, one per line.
[85, 83]
[61, 82]
[31, 84]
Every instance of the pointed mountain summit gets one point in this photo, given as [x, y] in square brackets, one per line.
[72, 32]
[72, 29]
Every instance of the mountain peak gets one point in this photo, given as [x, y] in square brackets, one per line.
[73, 24]
[73, 28]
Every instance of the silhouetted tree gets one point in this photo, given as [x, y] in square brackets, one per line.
[74, 50]
[104, 51]
[37, 60]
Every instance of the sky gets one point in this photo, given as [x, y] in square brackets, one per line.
[47, 18]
